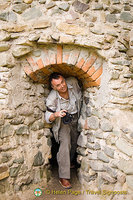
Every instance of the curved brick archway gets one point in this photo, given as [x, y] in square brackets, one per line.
[76, 61]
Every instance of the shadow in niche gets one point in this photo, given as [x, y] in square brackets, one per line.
[54, 151]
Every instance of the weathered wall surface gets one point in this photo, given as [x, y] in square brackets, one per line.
[106, 141]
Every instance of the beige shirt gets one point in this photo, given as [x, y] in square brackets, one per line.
[68, 104]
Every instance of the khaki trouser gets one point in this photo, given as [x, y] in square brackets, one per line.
[68, 136]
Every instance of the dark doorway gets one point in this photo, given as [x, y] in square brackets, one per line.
[54, 151]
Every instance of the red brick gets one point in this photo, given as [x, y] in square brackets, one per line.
[59, 54]
[80, 63]
[30, 73]
[97, 74]
[90, 83]
[73, 57]
[91, 71]
[41, 66]
[32, 64]
[46, 58]
[89, 63]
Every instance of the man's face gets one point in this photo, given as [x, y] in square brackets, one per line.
[59, 84]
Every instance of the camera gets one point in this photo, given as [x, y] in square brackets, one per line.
[67, 118]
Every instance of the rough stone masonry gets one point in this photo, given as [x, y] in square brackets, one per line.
[105, 145]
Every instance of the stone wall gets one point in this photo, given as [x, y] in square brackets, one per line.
[106, 141]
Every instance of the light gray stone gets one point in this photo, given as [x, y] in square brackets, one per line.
[115, 75]
[14, 171]
[80, 7]
[108, 178]
[37, 125]
[50, 5]
[97, 165]
[17, 120]
[129, 180]
[4, 16]
[82, 140]
[85, 164]
[109, 152]
[112, 172]
[82, 151]
[126, 166]
[111, 18]
[6, 157]
[121, 177]
[90, 138]
[21, 51]
[126, 17]
[38, 159]
[23, 130]
[19, 160]
[42, 1]
[124, 146]
[101, 156]
[6, 131]
[88, 111]
[19, 8]
[106, 125]
[64, 6]
[32, 13]
[4, 47]
[98, 6]
[115, 1]
[93, 122]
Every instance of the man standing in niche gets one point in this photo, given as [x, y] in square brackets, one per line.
[63, 108]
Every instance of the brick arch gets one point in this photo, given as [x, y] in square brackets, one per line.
[76, 61]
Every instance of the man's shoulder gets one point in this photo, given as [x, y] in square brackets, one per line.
[52, 94]
[71, 80]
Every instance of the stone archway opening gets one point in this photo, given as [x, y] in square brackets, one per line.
[82, 63]
[75, 61]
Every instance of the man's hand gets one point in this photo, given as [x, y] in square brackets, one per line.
[55, 115]
[60, 113]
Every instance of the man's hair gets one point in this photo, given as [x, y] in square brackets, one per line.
[54, 75]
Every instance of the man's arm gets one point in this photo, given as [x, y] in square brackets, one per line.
[51, 103]
[55, 115]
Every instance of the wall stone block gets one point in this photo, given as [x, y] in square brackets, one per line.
[129, 180]
[101, 156]
[82, 140]
[93, 122]
[38, 159]
[106, 126]
[85, 164]
[108, 178]
[124, 146]
[126, 166]
[19, 8]
[97, 165]
[109, 152]
[21, 51]
[14, 170]
[76, 38]
[32, 13]
[23, 130]
[6, 131]
[4, 172]
[126, 17]
[80, 7]
[64, 6]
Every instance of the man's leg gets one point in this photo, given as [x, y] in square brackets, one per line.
[63, 155]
